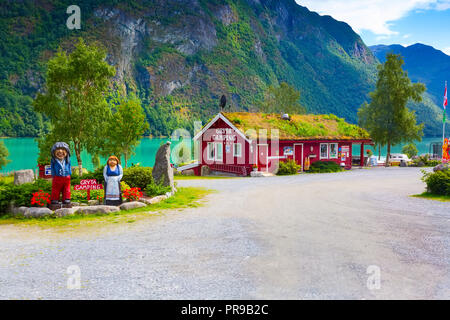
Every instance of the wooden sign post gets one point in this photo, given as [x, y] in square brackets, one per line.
[88, 184]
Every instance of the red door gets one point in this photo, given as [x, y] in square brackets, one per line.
[298, 154]
[262, 156]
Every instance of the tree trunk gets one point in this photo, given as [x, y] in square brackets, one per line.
[126, 159]
[379, 151]
[388, 155]
[80, 164]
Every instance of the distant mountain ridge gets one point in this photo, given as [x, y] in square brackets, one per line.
[427, 65]
[180, 56]
[423, 63]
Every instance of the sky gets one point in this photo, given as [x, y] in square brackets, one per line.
[387, 22]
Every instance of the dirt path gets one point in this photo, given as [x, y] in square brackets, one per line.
[305, 236]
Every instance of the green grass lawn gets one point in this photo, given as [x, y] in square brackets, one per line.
[7, 179]
[201, 177]
[189, 197]
[432, 196]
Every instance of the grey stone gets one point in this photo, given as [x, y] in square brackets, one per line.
[66, 211]
[205, 171]
[20, 211]
[188, 172]
[162, 171]
[35, 212]
[93, 202]
[441, 167]
[154, 200]
[23, 176]
[256, 174]
[131, 205]
[101, 209]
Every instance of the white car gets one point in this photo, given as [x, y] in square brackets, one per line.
[396, 158]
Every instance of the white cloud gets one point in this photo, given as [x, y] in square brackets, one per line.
[373, 15]
[446, 51]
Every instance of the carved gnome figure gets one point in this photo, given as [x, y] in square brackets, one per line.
[61, 171]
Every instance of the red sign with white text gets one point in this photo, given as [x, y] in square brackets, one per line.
[88, 184]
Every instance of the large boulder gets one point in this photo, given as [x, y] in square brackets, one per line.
[102, 209]
[154, 200]
[131, 205]
[23, 176]
[162, 171]
[32, 212]
[66, 211]
[441, 167]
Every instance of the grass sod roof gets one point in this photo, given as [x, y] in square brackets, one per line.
[299, 127]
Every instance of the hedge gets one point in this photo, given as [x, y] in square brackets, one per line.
[22, 194]
[288, 167]
[437, 182]
[324, 166]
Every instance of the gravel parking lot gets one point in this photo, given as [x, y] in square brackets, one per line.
[310, 236]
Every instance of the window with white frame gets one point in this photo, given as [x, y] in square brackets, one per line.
[237, 149]
[324, 151]
[210, 151]
[219, 151]
[333, 150]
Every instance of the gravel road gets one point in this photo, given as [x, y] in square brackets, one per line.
[320, 236]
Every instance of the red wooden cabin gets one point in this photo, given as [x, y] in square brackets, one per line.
[237, 142]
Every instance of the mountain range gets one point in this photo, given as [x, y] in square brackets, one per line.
[180, 56]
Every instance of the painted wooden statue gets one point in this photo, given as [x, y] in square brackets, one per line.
[113, 173]
[61, 171]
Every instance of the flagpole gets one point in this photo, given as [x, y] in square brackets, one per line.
[444, 120]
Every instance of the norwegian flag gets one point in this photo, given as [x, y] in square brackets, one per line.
[445, 95]
[445, 101]
[445, 104]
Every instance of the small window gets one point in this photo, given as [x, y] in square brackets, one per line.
[210, 151]
[237, 150]
[333, 150]
[324, 151]
[219, 151]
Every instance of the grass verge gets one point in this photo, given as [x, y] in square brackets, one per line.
[431, 196]
[188, 197]
[201, 177]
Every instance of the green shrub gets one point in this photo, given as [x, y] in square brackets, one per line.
[410, 150]
[437, 182]
[288, 167]
[154, 189]
[97, 175]
[138, 177]
[424, 161]
[22, 194]
[324, 166]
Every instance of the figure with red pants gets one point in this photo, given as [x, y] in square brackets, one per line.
[61, 171]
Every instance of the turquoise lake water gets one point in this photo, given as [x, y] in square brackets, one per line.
[23, 152]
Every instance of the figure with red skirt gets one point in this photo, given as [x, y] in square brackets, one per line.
[61, 171]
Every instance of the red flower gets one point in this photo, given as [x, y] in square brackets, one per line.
[40, 198]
